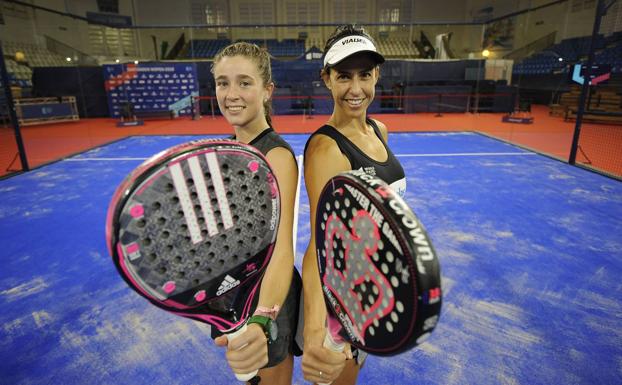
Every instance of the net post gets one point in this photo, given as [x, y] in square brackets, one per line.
[195, 107]
[4, 76]
[438, 106]
[600, 10]
[211, 105]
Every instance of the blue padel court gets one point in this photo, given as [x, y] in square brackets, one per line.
[530, 251]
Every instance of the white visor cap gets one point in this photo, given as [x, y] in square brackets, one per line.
[348, 46]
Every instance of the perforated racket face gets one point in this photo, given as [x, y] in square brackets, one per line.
[379, 271]
[194, 223]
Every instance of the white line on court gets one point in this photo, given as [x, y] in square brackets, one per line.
[466, 154]
[299, 159]
[100, 159]
[300, 156]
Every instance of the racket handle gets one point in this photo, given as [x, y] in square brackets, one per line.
[335, 346]
[241, 376]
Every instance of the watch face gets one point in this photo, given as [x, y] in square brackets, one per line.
[274, 330]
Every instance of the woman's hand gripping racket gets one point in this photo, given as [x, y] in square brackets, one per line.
[192, 230]
[379, 272]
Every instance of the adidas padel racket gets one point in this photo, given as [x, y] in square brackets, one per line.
[192, 230]
[379, 271]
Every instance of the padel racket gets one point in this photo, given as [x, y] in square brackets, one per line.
[379, 271]
[192, 230]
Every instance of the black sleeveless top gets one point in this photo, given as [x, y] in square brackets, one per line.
[390, 171]
[269, 139]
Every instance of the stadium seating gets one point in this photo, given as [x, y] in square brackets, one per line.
[209, 48]
[397, 48]
[290, 48]
[200, 48]
[34, 56]
[19, 74]
[608, 50]
[314, 42]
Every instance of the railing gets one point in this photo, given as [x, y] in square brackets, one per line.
[177, 48]
[533, 47]
[65, 50]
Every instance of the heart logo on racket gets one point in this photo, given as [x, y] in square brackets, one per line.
[379, 272]
[350, 270]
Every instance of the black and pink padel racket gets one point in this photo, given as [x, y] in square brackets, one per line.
[192, 229]
[379, 271]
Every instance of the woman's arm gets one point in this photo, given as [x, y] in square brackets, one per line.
[323, 160]
[277, 279]
[249, 351]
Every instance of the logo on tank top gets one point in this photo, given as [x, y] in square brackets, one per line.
[399, 186]
[371, 170]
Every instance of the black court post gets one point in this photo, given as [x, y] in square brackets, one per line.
[601, 10]
[11, 108]
[438, 105]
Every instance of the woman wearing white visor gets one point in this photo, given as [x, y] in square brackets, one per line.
[350, 140]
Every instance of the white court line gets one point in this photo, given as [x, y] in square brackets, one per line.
[465, 154]
[89, 159]
[398, 155]
[297, 201]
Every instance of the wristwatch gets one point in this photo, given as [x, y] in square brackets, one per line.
[269, 326]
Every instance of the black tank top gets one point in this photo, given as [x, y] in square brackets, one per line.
[269, 139]
[390, 171]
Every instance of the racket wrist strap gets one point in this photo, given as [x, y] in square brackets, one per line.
[267, 311]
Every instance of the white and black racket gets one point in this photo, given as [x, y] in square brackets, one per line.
[192, 229]
[379, 271]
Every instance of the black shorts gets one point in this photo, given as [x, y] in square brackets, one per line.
[287, 322]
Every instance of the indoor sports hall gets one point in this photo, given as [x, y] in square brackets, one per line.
[506, 117]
